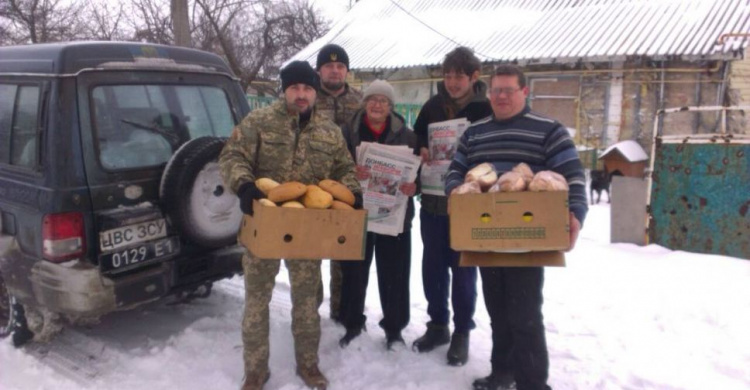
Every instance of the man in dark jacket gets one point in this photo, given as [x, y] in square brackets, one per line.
[460, 95]
[513, 295]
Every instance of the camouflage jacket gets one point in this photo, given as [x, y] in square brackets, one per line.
[267, 143]
[339, 109]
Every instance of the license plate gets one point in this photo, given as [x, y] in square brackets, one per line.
[139, 254]
[132, 234]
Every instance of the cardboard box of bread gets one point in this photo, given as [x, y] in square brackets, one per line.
[518, 219]
[299, 221]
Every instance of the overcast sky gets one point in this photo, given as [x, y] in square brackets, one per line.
[333, 9]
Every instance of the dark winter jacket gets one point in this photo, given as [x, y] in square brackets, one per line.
[437, 109]
[395, 133]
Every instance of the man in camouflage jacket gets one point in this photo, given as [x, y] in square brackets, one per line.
[286, 141]
[337, 101]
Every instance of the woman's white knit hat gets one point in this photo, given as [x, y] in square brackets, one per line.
[380, 87]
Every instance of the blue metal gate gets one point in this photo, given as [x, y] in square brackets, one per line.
[700, 193]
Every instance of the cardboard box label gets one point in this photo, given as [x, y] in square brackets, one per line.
[511, 233]
[286, 233]
[510, 221]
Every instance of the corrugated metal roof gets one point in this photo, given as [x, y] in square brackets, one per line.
[382, 34]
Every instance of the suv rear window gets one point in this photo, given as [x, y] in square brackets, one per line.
[142, 125]
[19, 114]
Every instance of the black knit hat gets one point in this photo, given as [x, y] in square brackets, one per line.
[298, 72]
[332, 53]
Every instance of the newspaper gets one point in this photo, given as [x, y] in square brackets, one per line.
[442, 138]
[389, 167]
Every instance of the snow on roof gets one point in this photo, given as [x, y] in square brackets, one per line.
[631, 150]
[390, 34]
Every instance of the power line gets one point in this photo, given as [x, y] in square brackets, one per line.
[436, 31]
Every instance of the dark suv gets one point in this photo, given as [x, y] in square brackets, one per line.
[110, 194]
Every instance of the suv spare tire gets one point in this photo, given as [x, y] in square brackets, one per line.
[194, 196]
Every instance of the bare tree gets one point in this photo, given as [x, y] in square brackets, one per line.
[38, 21]
[151, 21]
[256, 36]
[105, 22]
[5, 35]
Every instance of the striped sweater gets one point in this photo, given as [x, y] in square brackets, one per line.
[540, 142]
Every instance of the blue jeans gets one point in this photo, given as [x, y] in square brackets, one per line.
[437, 260]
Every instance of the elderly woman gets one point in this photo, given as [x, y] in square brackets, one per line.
[377, 122]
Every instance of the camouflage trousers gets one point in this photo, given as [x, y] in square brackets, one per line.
[260, 278]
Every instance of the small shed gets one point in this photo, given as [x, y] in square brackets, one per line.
[626, 157]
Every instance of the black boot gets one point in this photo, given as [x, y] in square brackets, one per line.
[393, 338]
[458, 353]
[21, 332]
[495, 381]
[351, 334]
[435, 336]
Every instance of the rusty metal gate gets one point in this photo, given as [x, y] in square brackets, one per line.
[699, 198]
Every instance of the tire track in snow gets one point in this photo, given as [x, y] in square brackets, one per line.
[72, 355]
[81, 357]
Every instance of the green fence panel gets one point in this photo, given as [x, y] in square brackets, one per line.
[259, 101]
[409, 112]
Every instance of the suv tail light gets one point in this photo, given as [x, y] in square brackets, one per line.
[63, 236]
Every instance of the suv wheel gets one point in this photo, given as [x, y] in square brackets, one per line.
[195, 198]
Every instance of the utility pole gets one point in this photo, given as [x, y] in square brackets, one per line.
[180, 22]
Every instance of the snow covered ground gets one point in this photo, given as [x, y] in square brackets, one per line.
[618, 316]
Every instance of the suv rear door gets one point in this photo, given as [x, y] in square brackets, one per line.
[131, 123]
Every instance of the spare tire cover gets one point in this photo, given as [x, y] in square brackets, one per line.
[194, 196]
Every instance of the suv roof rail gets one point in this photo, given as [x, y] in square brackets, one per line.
[73, 57]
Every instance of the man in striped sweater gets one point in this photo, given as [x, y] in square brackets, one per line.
[513, 296]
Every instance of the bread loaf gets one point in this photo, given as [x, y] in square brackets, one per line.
[525, 172]
[484, 174]
[478, 171]
[471, 187]
[265, 185]
[287, 191]
[548, 181]
[266, 202]
[509, 182]
[338, 190]
[487, 180]
[316, 198]
[339, 205]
